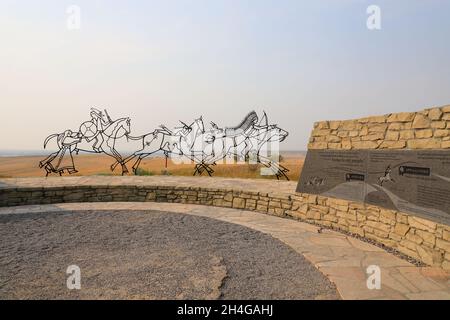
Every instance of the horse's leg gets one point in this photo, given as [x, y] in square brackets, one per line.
[268, 163]
[209, 170]
[283, 172]
[48, 159]
[124, 168]
[116, 156]
[126, 160]
[119, 159]
[141, 156]
[197, 170]
[137, 164]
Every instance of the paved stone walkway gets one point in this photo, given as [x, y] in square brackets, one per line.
[341, 258]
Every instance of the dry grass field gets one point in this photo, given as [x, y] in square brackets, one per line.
[27, 166]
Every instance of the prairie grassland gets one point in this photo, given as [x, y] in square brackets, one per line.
[27, 166]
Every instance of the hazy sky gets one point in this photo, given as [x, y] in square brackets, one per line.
[160, 61]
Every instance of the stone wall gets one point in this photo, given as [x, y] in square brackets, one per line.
[418, 238]
[427, 129]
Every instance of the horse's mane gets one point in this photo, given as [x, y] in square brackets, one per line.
[250, 119]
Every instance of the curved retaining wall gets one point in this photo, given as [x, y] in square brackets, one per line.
[421, 239]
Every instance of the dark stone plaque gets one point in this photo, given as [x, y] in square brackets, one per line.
[417, 182]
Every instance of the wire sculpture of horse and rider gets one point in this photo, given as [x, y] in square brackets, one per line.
[253, 140]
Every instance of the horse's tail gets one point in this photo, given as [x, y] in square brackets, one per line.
[49, 138]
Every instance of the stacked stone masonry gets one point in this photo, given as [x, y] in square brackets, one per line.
[418, 238]
[427, 129]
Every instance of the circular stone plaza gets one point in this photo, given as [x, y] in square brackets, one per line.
[188, 238]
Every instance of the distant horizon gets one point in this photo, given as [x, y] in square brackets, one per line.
[18, 152]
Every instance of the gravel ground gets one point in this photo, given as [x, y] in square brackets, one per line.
[149, 255]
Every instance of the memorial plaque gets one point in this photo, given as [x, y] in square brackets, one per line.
[335, 173]
[417, 182]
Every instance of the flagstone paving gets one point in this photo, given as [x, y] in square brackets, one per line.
[343, 259]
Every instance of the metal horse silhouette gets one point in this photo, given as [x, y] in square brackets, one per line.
[247, 141]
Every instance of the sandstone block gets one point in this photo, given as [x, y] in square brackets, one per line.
[303, 208]
[382, 127]
[401, 229]
[346, 145]
[438, 124]
[446, 108]
[356, 230]
[250, 204]
[407, 134]
[274, 204]
[387, 216]
[441, 133]
[330, 217]
[373, 137]
[430, 143]
[349, 125]
[392, 135]
[334, 145]
[426, 236]
[401, 117]
[435, 114]
[445, 144]
[409, 252]
[365, 145]
[442, 244]
[322, 125]
[414, 238]
[321, 132]
[424, 133]
[311, 214]
[379, 226]
[317, 145]
[377, 119]
[395, 126]
[222, 203]
[334, 124]
[261, 208]
[421, 122]
[331, 138]
[151, 196]
[446, 235]
[409, 244]
[406, 125]
[239, 203]
[393, 144]
[381, 233]
[364, 131]
[421, 224]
